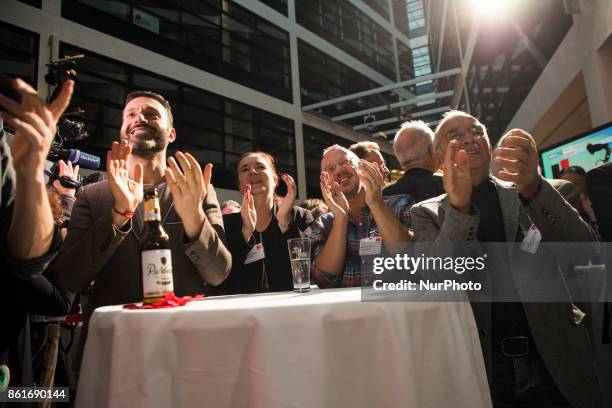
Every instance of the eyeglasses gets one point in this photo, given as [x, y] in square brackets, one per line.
[342, 164]
[476, 131]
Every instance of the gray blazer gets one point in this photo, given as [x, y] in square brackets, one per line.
[557, 328]
[95, 251]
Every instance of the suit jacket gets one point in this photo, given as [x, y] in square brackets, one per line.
[599, 186]
[95, 251]
[419, 183]
[557, 328]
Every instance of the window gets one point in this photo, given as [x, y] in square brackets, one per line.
[19, 53]
[220, 36]
[278, 5]
[380, 6]
[410, 17]
[348, 28]
[212, 128]
[323, 77]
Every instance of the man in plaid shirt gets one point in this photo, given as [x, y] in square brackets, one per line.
[359, 217]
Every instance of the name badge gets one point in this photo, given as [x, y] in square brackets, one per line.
[370, 246]
[255, 254]
[532, 240]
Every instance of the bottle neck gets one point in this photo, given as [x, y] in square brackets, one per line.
[152, 212]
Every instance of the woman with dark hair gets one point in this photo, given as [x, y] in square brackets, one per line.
[257, 236]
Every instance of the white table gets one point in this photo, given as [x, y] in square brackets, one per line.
[321, 349]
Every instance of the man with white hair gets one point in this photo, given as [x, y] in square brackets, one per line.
[413, 148]
[359, 221]
[537, 352]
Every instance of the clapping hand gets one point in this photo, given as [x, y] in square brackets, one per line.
[188, 186]
[248, 213]
[372, 177]
[35, 127]
[66, 170]
[518, 157]
[457, 178]
[282, 214]
[127, 192]
[334, 197]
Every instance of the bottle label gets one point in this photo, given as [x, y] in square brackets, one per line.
[151, 210]
[156, 273]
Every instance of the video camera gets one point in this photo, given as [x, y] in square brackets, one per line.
[69, 127]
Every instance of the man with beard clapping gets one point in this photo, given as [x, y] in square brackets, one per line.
[102, 245]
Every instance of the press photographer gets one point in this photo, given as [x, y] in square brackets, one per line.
[30, 237]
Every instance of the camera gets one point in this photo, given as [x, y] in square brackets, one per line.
[70, 128]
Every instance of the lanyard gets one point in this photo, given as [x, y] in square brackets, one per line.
[264, 275]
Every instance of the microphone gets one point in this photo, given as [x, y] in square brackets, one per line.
[85, 160]
[592, 148]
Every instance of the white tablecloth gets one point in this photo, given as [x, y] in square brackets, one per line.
[321, 349]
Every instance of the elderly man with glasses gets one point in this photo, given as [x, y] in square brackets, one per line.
[536, 353]
[359, 221]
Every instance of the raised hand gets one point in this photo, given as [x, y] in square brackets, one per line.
[66, 170]
[334, 197]
[282, 215]
[248, 213]
[372, 177]
[127, 192]
[457, 178]
[518, 157]
[188, 187]
[35, 127]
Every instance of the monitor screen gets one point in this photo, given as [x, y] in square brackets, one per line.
[587, 150]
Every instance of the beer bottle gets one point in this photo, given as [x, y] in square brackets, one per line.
[156, 258]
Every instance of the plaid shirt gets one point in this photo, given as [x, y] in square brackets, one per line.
[321, 228]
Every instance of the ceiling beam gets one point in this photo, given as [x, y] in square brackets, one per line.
[384, 88]
[412, 116]
[418, 99]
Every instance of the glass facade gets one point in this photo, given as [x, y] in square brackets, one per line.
[278, 5]
[348, 28]
[323, 77]
[239, 43]
[217, 36]
[379, 6]
[410, 17]
[212, 128]
[406, 69]
[19, 53]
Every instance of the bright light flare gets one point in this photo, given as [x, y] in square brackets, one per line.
[489, 8]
